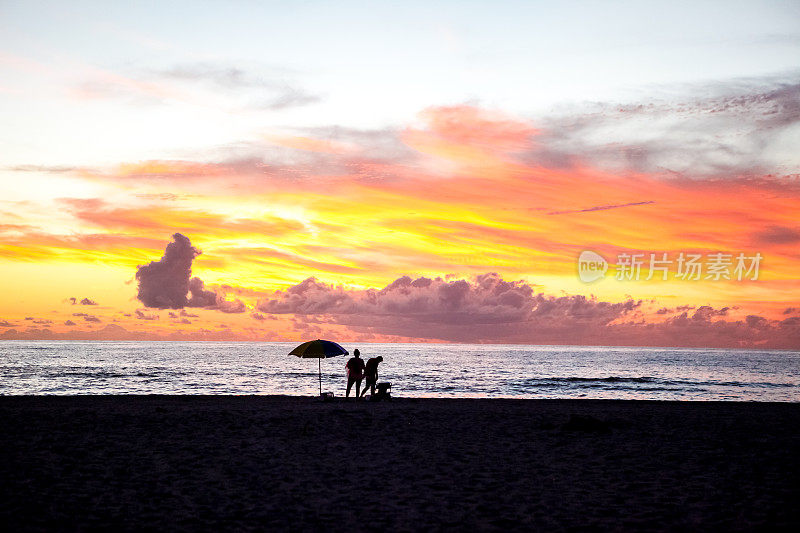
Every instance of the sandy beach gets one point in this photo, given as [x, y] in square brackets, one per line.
[229, 463]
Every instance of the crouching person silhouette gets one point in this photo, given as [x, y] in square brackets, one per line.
[371, 374]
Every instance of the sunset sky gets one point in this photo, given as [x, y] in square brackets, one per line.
[372, 172]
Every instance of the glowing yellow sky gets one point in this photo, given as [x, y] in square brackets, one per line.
[460, 202]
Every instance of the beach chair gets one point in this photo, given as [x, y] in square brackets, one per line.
[383, 392]
[326, 396]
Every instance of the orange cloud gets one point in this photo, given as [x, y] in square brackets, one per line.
[159, 219]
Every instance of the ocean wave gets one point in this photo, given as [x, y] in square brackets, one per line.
[610, 379]
[93, 374]
[592, 381]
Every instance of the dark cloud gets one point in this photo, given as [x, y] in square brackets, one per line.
[757, 322]
[91, 318]
[84, 301]
[69, 323]
[777, 235]
[258, 316]
[164, 284]
[706, 313]
[6, 324]
[200, 296]
[141, 315]
[167, 283]
[701, 331]
[722, 134]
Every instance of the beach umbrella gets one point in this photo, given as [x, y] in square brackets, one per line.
[318, 349]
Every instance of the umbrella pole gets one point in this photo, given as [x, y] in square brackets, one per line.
[320, 376]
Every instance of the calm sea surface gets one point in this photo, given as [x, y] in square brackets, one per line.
[432, 370]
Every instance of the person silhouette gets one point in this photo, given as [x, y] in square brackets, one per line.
[355, 372]
[371, 374]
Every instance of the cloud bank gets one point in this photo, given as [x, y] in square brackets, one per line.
[492, 310]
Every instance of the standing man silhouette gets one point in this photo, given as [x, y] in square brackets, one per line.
[355, 372]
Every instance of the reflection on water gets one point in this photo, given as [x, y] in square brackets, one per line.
[440, 370]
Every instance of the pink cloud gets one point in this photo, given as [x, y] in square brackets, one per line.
[490, 309]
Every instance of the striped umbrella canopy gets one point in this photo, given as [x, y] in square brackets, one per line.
[319, 349]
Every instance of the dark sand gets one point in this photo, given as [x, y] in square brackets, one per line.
[279, 463]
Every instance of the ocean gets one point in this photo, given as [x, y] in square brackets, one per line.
[415, 370]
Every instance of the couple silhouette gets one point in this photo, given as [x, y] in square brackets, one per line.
[358, 370]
